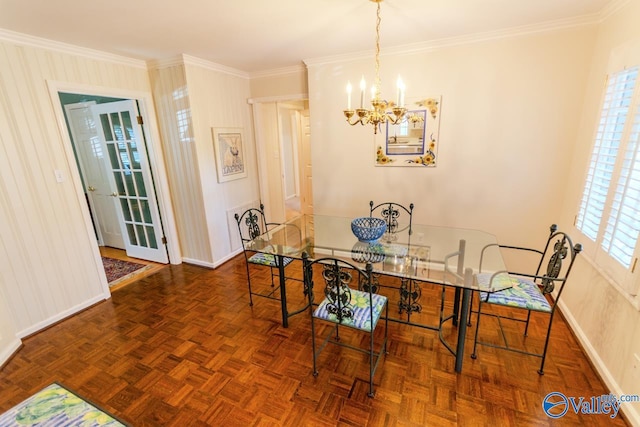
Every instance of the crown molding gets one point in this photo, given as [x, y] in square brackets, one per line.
[426, 46]
[294, 69]
[279, 98]
[612, 8]
[178, 60]
[198, 62]
[41, 43]
[158, 64]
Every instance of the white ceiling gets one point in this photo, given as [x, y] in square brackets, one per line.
[260, 35]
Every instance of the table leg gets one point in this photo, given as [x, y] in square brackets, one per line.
[460, 271]
[464, 312]
[283, 291]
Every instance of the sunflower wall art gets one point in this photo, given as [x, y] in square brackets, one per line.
[414, 142]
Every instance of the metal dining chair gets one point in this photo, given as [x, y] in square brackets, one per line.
[343, 306]
[399, 219]
[529, 292]
[251, 225]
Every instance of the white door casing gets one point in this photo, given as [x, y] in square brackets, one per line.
[131, 181]
[306, 193]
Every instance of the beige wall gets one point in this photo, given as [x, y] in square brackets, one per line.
[508, 125]
[607, 322]
[219, 99]
[171, 97]
[49, 263]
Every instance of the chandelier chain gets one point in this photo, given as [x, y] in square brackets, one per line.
[378, 20]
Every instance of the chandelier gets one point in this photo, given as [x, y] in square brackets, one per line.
[382, 111]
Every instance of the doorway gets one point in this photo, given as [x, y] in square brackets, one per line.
[109, 147]
[283, 145]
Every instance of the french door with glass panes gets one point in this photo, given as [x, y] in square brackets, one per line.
[131, 180]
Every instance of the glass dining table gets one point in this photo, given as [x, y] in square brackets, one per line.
[415, 255]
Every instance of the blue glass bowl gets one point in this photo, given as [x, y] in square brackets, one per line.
[368, 229]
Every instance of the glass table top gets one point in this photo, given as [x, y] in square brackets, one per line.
[422, 252]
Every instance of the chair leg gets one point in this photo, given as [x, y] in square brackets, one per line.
[475, 338]
[313, 345]
[456, 306]
[442, 299]
[526, 327]
[370, 394]
[546, 344]
[386, 328]
[249, 283]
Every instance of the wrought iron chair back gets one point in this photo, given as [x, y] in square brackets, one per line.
[251, 224]
[391, 212]
[337, 290]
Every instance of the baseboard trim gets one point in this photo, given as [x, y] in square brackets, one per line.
[228, 257]
[198, 262]
[9, 351]
[61, 316]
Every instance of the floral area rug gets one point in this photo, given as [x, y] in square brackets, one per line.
[56, 406]
[118, 270]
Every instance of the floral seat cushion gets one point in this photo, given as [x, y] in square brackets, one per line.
[523, 293]
[362, 311]
[268, 259]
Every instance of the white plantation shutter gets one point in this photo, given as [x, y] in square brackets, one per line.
[612, 187]
[605, 151]
[623, 225]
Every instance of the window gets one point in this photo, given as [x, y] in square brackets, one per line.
[609, 212]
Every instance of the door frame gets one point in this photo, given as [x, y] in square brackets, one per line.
[154, 151]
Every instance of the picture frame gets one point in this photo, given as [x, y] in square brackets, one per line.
[414, 141]
[228, 144]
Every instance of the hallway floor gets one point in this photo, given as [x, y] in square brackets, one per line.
[109, 252]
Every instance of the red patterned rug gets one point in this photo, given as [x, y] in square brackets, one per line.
[117, 270]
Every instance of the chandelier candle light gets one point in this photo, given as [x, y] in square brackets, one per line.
[379, 113]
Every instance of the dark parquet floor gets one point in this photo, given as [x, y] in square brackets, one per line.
[182, 347]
